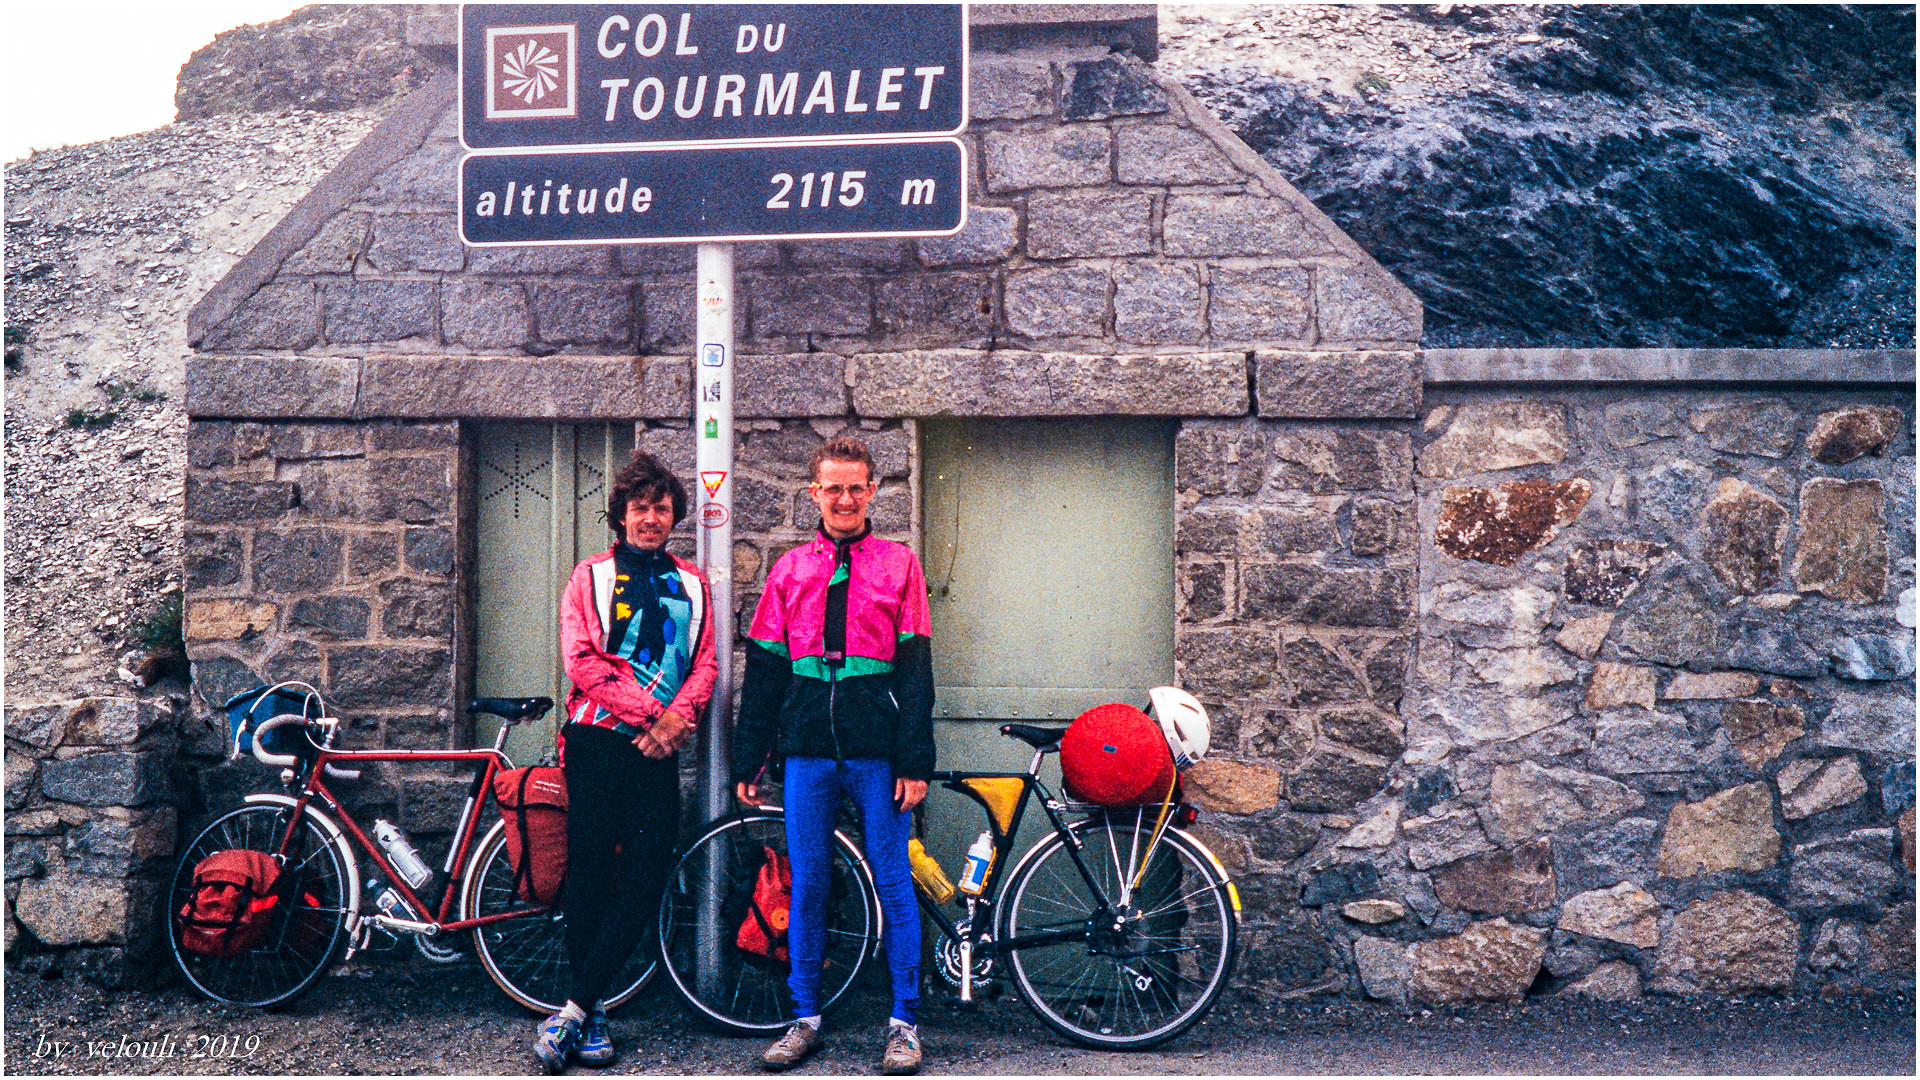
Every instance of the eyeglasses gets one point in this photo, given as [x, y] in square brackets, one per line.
[838, 491]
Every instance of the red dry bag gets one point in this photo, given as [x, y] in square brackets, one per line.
[1115, 756]
[231, 905]
[533, 802]
[764, 931]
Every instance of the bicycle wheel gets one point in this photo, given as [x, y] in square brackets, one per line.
[307, 927]
[746, 993]
[526, 956]
[1131, 986]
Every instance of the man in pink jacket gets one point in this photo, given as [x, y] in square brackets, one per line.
[636, 634]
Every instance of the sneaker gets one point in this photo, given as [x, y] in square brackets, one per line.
[596, 1042]
[559, 1038]
[903, 1050]
[793, 1047]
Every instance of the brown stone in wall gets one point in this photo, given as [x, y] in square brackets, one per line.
[1625, 913]
[1809, 786]
[1605, 572]
[1759, 730]
[1484, 437]
[1618, 685]
[1730, 942]
[1489, 961]
[1711, 686]
[1232, 787]
[1498, 525]
[1842, 435]
[1731, 830]
[229, 620]
[1843, 540]
[1583, 637]
[1890, 941]
[1511, 882]
[1746, 532]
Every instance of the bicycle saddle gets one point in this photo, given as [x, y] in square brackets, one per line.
[512, 709]
[1039, 738]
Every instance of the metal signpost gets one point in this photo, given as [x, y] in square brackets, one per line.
[711, 124]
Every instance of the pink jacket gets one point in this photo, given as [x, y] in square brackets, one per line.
[605, 681]
[887, 601]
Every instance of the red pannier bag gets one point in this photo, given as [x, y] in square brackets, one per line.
[232, 903]
[533, 802]
[764, 931]
[1116, 756]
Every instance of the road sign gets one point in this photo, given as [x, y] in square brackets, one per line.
[721, 193]
[550, 75]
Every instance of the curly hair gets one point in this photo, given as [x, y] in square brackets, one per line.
[841, 447]
[646, 479]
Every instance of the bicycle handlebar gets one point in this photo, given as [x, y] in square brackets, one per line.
[289, 760]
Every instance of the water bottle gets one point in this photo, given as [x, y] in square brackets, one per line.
[388, 901]
[400, 852]
[927, 871]
[973, 879]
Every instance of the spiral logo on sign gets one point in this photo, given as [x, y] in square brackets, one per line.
[530, 72]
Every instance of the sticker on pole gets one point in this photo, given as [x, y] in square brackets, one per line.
[713, 354]
[713, 515]
[712, 479]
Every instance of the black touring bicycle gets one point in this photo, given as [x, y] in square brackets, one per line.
[1117, 927]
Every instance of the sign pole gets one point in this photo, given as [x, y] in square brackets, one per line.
[713, 362]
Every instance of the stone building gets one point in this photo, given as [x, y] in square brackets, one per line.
[1592, 665]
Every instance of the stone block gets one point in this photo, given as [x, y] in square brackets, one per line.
[1366, 729]
[1214, 529]
[1010, 89]
[115, 778]
[1731, 830]
[1511, 882]
[1381, 528]
[1334, 385]
[1873, 657]
[1489, 436]
[279, 315]
[586, 313]
[296, 561]
[329, 617]
[1224, 663]
[1758, 428]
[1583, 637]
[272, 386]
[667, 319]
[1839, 944]
[1225, 225]
[1008, 383]
[1164, 154]
[1606, 855]
[564, 387]
[1263, 303]
[829, 304]
[1070, 155]
[1842, 435]
[1211, 458]
[1731, 942]
[1677, 624]
[1489, 961]
[1318, 674]
[333, 249]
[1157, 304]
[216, 501]
[1884, 724]
[1628, 744]
[1810, 786]
[1374, 912]
[1330, 783]
[1498, 525]
[1615, 980]
[1382, 966]
[1443, 837]
[1114, 85]
[373, 676]
[876, 254]
[426, 177]
[1746, 531]
[1890, 941]
[1639, 421]
[1088, 224]
[1623, 913]
[21, 771]
[1615, 686]
[1763, 644]
[991, 234]
[1528, 799]
[117, 848]
[412, 489]
[416, 609]
[485, 314]
[1604, 572]
[1339, 883]
[1711, 686]
[365, 311]
[761, 507]
[416, 242]
[83, 909]
[1759, 730]
[229, 620]
[948, 306]
[1855, 869]
[432, 803]
[1225, 786]
[796, 384]
[557, 261]
[1327, 597]
[1360, 303]
[1066, 301]
[429, 551]
[657, 260]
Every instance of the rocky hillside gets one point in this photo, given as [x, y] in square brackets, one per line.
[1595, 175]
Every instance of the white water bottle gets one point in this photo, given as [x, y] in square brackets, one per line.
[973, 879]
[393, 840]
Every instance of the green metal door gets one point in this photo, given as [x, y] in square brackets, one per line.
[542, 495]
[1049, 558]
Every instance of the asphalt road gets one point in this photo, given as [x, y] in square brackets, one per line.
[413, 1018]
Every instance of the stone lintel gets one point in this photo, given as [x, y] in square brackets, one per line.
[247, 387]
[1831, 366]
[506, 387]
[973, 382]
[1337, 385]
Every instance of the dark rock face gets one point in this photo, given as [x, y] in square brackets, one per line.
[322, 58]
[1338, 884]
[1605, 572]
[1646, 177]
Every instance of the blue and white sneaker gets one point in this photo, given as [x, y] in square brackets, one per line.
[596, 1042]
[559, 1038]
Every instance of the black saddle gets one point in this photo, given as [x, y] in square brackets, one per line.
[1039, 738]
[512, 709]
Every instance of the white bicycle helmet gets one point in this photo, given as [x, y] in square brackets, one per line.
[1184, 723]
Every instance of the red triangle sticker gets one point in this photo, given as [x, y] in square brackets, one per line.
[712, 480]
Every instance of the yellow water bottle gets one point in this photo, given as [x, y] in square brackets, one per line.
[926, 871]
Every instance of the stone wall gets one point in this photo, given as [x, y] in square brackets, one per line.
[1659, 732]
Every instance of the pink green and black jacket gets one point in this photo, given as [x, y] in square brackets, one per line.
[607, 689]
[839, 660]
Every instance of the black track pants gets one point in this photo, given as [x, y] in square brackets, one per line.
[623, 810]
